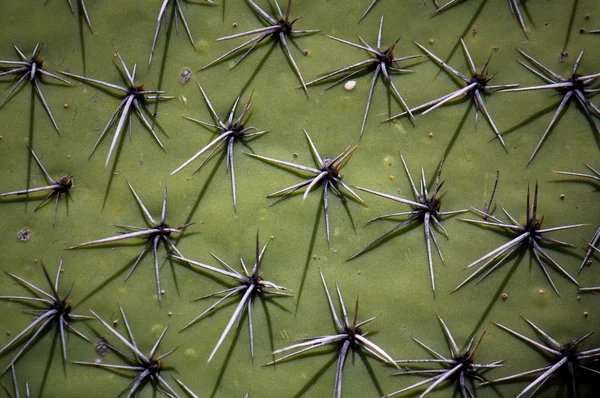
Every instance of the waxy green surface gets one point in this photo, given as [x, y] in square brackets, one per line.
[392, 280]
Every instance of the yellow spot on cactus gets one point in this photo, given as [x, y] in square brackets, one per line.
[157, 329]
[202, 46]
[190, 353]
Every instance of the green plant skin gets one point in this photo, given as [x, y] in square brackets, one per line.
[392, 280]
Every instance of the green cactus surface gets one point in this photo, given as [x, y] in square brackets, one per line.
[207, 229]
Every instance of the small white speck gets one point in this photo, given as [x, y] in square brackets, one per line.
[98, 360]
[350, 84]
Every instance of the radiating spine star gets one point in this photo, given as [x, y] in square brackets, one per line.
[228, 133]
[575, 87]
[178, 14]
[249, 285]
[475, 87]
[276, 29]
[55, 314]
[563, 357]
[426, 207]
[56, 188]
[148, 367]
[327, 172]
[31, 69]
[459, 367]
[531, 235]
[135, 100]
[348, 336]
[594, 241]
[383, 62]
[155, 233]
